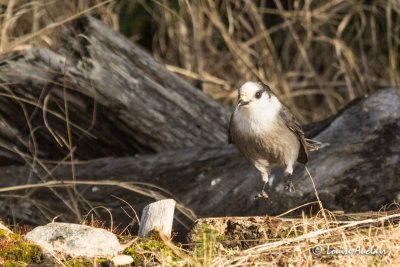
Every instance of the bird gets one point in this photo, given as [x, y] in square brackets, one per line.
[266, 133]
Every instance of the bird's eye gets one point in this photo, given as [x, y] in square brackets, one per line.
[258, 95]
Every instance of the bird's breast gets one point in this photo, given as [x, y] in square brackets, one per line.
[254, 123]
[265, 140]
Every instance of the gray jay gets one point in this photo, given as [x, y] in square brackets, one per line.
[266, 133]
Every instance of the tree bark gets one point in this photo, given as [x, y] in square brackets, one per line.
[120, 101]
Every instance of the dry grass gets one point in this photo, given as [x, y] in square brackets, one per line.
[321, 239]
[315, 242]
[24, 23]
[318, 54]
[313, 53]
[310, 241]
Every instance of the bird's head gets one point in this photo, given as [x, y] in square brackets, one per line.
[256, 98]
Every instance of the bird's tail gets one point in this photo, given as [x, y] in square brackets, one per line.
[312, 145]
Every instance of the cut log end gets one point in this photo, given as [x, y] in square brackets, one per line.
[157, 216]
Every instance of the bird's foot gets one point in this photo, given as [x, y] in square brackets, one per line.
[290, 186]
[263, 194]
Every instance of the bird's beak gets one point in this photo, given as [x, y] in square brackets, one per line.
[243, 103]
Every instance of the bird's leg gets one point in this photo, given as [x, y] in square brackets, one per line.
[263, 194]
[289, 171]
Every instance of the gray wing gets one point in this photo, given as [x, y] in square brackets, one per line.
[295, 127]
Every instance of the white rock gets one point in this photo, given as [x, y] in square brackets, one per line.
[122, 260]
[74, 239]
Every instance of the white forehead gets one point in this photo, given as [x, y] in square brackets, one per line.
[249, 88]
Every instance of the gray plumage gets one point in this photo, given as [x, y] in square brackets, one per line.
[266, 132]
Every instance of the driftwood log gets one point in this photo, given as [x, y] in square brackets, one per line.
[120, 100]
[133, 123]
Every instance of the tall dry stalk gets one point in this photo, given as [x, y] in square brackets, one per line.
[317, 55]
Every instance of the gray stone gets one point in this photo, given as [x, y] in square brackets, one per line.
[74, 240]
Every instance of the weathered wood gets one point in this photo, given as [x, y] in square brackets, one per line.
[121, 101]
[357, 169]
[157, 216]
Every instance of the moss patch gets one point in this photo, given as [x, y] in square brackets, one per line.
[77, 263]
[12, 264]
[13, 250]
[13, 236]
[21, 251]
[150, 250]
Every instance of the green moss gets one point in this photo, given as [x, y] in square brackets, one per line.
[204, 230]
[12, 264]
[205, 239]
[125, 238]
[13, 236]
[2, 233]
[285, 232]
[102, 260]
[150, 249]
[15, 252]
[22, 251]
[137, 257]
[77, 263]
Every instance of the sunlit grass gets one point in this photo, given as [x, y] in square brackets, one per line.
[308, 241]
[317, 55]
